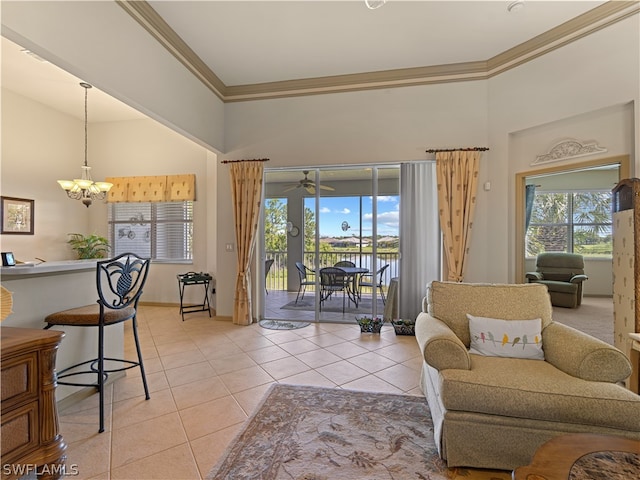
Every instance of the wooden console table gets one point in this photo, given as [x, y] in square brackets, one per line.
[555, 459]
[31, 441]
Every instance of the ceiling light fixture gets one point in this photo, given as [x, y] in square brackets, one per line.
[516, 6]
[373, 4]
[85, 188]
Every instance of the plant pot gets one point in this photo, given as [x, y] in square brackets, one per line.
[369, 324]
[404, 327]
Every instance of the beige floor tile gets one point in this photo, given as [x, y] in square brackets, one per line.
[403, 377]
[346, 350]
[400, 352]
[232, 363]
[318, 358]
[131, 386]
[89, 457]
[250, 399]
[211, 416]
[253, 343]
[140, 440]
[371, 383]
[342, 372]
[268, 354]
[285, 367]
[209, 449]
[222, 350]
[310, 377]
[280, 337]
[372, 362]
[172, 348]
[181, 359]
[198, 392]
[173, 463]
[166, 338]
[189, 373]
[136, 410]
[247, 378]
[326, 339]
[299, 346]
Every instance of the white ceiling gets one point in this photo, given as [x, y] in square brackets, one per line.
[249, 42]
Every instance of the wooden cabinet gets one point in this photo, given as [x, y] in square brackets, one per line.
[626, 271]
[30, 437]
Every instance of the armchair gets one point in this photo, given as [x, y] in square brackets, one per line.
[563, 274]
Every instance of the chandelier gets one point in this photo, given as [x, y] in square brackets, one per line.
[85, 188]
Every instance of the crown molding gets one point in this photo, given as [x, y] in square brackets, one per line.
[592, 21]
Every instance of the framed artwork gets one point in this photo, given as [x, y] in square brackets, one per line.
[17, 216]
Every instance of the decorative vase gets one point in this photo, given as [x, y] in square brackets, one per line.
[369, 324]
[404, 327]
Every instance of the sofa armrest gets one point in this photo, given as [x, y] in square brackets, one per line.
[441, 348]
[534, 276]
[578, 278]
[583, 356]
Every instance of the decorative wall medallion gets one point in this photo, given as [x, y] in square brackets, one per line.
[568, 149]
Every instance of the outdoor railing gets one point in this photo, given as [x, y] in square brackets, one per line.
[277, 277]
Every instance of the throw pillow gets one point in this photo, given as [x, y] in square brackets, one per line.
[506, 338]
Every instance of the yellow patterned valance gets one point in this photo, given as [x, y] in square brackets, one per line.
[159, 188]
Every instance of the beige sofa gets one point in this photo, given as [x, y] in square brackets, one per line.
[494, 412]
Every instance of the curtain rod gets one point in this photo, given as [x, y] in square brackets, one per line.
[472, 149]
[253, 160]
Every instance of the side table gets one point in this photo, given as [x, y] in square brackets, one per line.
[193, 278]
[556, 459]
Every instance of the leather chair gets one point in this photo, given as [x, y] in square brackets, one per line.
[563, 274]
[119, 282]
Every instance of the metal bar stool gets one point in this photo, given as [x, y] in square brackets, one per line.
[119, 282]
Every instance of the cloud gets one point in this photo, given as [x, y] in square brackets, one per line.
[389, 219]
[344, 211]
[325, 210]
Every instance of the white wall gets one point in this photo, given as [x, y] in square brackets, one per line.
[40, 146]
[102, 44]
[376, 126]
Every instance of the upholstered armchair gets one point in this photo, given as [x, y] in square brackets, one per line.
[563, 274]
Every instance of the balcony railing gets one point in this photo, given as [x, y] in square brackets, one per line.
[277, 276]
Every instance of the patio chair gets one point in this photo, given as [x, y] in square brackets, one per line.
[303, 273]
[267, 267]
[367, 280]
[332, 280]
[344, 263]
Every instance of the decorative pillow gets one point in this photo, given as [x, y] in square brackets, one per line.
[493, 337]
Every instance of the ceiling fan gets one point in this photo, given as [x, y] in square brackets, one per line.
[308, 184]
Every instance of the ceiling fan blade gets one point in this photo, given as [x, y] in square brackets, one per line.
[311, 189]
[326, 187]
[293, 187]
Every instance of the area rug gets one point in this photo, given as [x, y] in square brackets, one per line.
[334, 305]
[314, 433]
[282, 324]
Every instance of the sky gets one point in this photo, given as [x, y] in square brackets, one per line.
[336, 210]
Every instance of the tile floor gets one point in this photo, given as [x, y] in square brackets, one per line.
[206, 376]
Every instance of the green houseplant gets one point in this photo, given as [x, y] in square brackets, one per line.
[369, 324]
[88, 246]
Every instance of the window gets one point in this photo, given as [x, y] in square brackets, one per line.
[162, 231]
[575, 222]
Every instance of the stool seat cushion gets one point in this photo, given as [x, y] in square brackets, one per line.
[89, 315]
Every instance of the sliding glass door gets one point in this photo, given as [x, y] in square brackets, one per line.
[333, 234]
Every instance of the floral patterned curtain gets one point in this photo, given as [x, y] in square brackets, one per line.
[246, 190]
[457, 174]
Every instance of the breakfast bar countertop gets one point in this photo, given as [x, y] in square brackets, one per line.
[46, 268]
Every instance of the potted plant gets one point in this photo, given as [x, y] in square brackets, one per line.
[369, 324]
[89, 246]
[404, 327]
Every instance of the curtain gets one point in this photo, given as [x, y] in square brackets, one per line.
[457, 173]
[530, 195]
[246, 194]
[419, 235]
[161, 188]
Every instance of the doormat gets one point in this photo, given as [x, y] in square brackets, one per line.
[282, 324]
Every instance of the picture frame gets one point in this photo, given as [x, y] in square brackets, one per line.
[17, 216]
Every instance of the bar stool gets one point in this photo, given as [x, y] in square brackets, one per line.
[119, 283]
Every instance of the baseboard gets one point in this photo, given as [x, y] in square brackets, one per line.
[85, 392]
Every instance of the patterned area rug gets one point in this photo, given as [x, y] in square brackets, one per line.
[313, 433]
[334, 305]
[282, 324]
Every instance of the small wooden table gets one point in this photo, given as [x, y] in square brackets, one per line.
[554, 459]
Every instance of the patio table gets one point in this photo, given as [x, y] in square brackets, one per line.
[352, 277]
